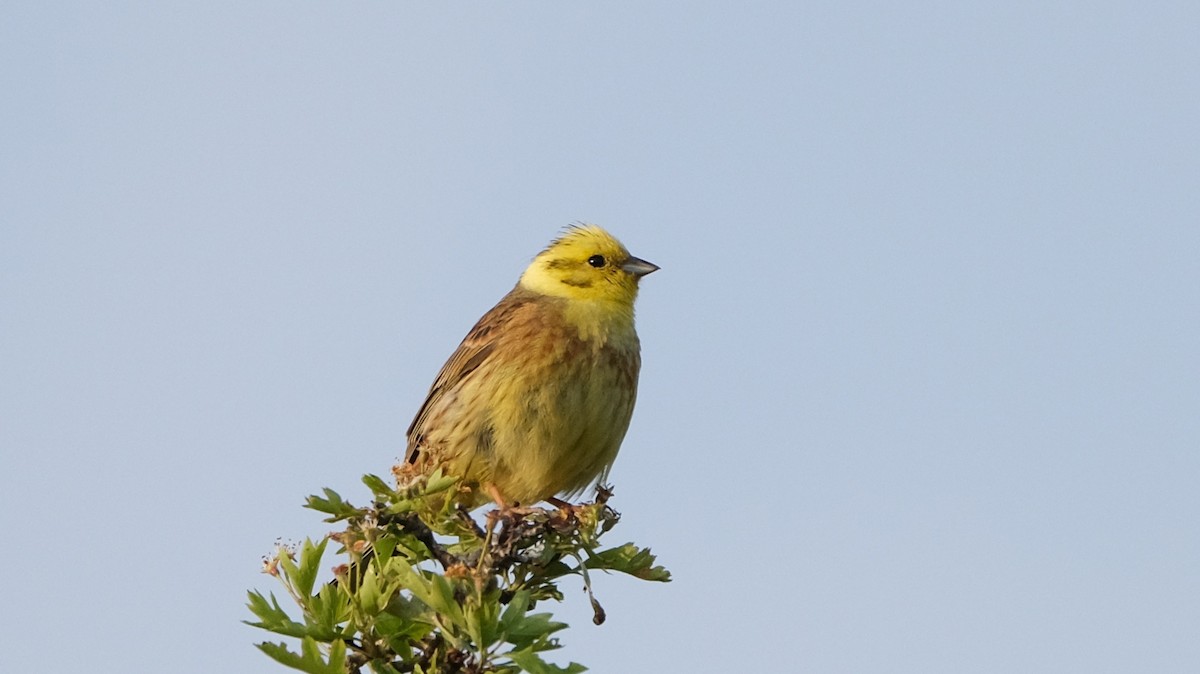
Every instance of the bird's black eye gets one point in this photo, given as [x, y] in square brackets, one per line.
[596, 261]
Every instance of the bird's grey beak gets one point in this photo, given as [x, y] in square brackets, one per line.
[638, 267]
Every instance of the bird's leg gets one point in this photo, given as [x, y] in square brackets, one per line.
[507, 509]
[494, 491]
[505, 512]
[494, 516]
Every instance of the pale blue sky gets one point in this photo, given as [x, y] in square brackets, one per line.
[921, 388]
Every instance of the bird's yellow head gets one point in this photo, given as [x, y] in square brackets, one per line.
[586, 263]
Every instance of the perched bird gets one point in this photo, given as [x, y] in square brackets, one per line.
[537, 398]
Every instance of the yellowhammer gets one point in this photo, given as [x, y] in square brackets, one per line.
[537, 398]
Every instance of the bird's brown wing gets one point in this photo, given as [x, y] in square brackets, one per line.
[476, 347]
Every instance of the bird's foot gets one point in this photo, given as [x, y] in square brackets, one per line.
[566, 512]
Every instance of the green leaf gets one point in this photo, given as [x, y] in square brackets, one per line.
[337, 657]
[536, 625]
[282, 655]
[430, 589]
[384, 547]
[444, 601]
[534, 664]
[556, 569]
[411, 548]
[309, 659]
[329, 608]
[438, 482]
[333, 505]
[401, 631]
[368, 592]
[630, 559]
[305, 575]
[378, 486]
[288, 570]
[515, 611]
[483, 615]
[273, 618]
[530, 629]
